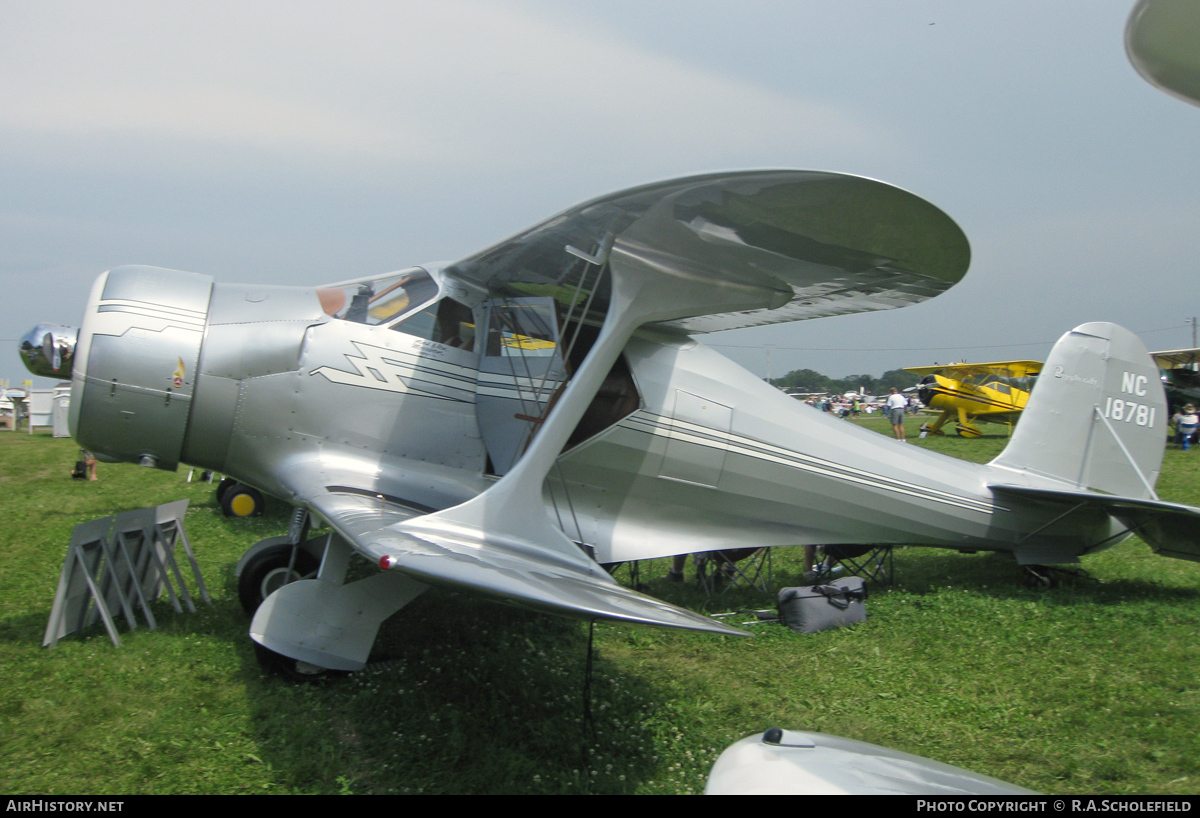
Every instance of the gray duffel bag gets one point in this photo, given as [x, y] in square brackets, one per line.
[813, 608]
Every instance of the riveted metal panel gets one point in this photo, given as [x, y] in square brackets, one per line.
[698, 441]
[211, 424]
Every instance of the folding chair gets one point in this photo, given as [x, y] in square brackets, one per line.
[723, 570]
[874, 563]
[633, 567]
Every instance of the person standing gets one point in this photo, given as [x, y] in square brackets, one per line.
[1187, 423]
[896, 404]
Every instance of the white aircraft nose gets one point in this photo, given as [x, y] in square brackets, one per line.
[48, 350]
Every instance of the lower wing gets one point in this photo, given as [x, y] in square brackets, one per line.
[446, 550]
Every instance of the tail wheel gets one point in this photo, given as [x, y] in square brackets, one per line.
[242, 501]
[1039, 577]
[271, 569]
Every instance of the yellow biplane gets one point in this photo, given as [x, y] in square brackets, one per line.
[993, 392]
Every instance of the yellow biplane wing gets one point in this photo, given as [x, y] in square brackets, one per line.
[1001, 369]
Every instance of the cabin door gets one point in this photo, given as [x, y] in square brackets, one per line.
[520, 371]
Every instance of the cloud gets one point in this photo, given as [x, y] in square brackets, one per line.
[452, 84]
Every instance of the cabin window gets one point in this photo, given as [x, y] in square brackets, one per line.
[447, 322]
[522, 330]
[617, 398]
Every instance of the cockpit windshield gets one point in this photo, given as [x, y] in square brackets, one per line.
[407, 302]
[381, 300]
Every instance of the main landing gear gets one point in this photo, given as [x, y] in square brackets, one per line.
[276, 664]
[307, 621]
[268, 566]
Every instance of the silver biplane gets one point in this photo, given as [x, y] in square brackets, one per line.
[514, 421]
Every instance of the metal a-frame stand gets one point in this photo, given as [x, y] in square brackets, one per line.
[115, 565]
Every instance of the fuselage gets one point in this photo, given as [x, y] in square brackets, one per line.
[683, 450]
[715, 457]
[987, 401]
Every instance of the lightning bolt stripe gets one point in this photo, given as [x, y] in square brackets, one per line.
[391, 370]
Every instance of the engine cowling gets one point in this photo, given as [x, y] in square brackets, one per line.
[135, 364]
[158, 365]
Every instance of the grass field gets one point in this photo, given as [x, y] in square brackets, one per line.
[1087, 688]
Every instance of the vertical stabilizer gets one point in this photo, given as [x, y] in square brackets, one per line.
[1097, 416]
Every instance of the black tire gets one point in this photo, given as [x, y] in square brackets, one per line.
[242, 501]
[268, 570]
[291, 669]
[225, 485]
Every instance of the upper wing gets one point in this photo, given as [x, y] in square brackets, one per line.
[1004, 369]
[530, 574]
[1160, 39]
[808, 243]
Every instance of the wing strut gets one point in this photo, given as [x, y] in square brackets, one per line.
[508, 525]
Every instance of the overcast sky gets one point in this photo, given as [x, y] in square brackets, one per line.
[301, 143]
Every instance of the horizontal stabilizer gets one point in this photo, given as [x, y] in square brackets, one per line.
[1170, 529]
